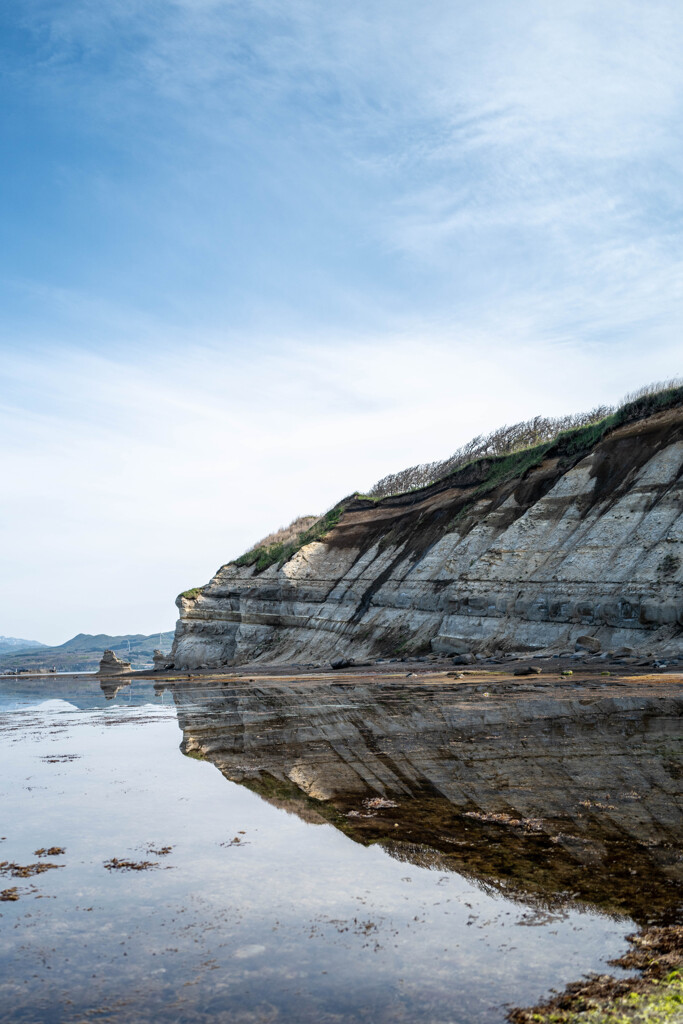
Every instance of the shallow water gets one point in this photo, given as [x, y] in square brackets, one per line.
[255, 913]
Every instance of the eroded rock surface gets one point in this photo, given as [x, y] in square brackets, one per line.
[574, 547]
[112, 665]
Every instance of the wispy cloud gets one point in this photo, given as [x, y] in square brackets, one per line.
[258, 254]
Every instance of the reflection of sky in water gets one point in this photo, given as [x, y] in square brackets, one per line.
[295, 923]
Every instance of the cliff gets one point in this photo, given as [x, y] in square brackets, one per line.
[583, 534]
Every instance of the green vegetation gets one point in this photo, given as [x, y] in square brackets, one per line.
[499, 458]
[190, 595]
[513, 450]
[196, 755]
[508, 467]
[661, 1003]
[263, 556]
[569, 444]
[649, 400]
[288, 794]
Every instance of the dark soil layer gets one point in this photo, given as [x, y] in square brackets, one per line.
[422, 516]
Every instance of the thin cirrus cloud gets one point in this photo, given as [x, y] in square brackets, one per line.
[397, 159]
[257, 255]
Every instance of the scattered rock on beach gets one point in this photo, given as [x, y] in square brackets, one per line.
[588, 643]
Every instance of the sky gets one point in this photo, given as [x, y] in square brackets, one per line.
[256, 255]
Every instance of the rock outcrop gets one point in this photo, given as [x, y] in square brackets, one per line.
[111, 665]
[526, 552]
[161, 661]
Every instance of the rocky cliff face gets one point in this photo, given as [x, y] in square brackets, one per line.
[515, 554]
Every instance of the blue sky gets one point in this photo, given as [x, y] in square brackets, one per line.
[256, 255]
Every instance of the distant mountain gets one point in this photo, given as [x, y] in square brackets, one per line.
[83, 652]
[12, 644]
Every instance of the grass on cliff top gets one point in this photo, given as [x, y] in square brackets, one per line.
[573, 443]
[506, 442]
[263, 556]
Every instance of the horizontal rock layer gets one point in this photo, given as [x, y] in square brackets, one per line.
[574, 545]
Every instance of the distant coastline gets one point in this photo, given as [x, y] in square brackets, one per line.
[83, 652]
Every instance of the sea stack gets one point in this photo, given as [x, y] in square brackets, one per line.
[110, 665]
[161, 661]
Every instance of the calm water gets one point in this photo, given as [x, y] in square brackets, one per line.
[255, 913]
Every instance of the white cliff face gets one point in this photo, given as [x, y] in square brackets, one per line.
[594, 545]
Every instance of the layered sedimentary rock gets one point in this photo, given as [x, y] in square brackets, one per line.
[112, 665]
[540, 787]
[577, 543]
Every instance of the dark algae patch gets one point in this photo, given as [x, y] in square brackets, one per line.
[654, 996]
[26, 870]
[159, 851]
[123, 864]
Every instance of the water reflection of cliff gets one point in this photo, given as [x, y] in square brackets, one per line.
[110, 687]
[550, 797]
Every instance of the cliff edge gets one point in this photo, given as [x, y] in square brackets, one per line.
[526, 551]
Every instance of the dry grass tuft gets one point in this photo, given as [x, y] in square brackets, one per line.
[523, 436]
[288, 534]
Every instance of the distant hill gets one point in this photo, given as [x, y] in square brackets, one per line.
[12, 644]
[83, 652]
